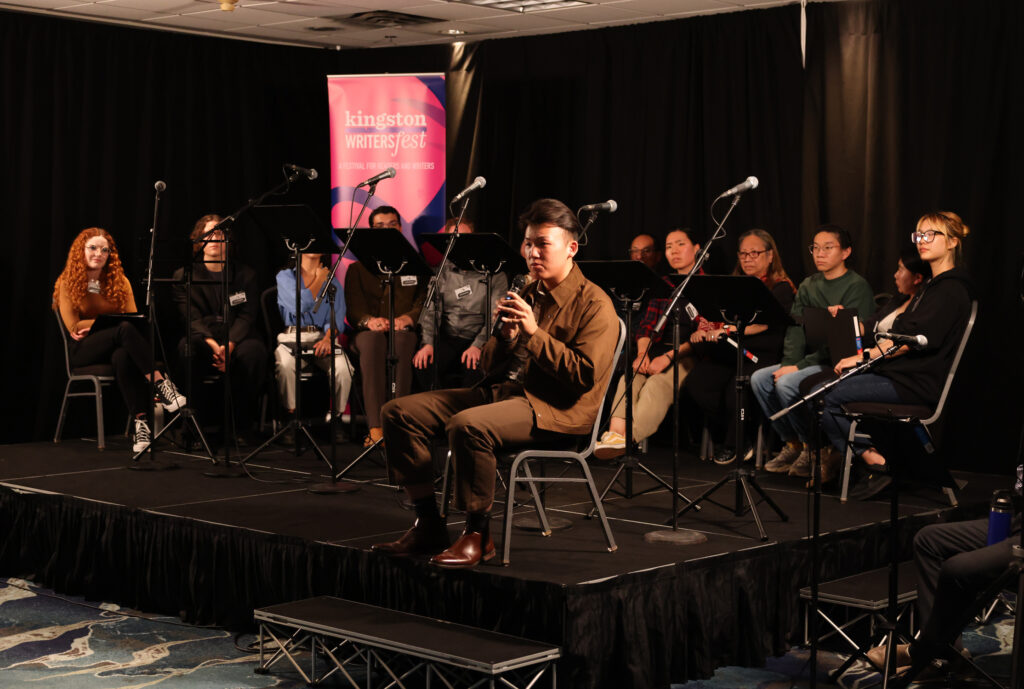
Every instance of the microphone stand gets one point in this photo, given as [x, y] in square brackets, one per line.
[818, 395]
[686, 536]
[151, 318]
[224, 226]
[326, 489]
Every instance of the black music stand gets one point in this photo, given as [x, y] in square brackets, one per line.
[740, 300]
[385, 252]
[302, 232]
[630, 283]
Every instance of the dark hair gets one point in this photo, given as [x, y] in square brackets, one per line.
[690, 233]
[913, 262]
[384, 210]
[842, 236]
[450, 223]
[199, 228]
[551, 212]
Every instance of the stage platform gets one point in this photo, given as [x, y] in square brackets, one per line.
[212, 550]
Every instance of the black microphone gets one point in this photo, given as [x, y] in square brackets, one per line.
[518, 283]
[747, 185]
[478, 183]
[307, 172]
[917, 341]
[387, 174]
[160, 186]
[608, 206]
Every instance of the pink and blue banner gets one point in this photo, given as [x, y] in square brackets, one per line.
[388, 120]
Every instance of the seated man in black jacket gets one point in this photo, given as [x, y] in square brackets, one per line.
[244, 354]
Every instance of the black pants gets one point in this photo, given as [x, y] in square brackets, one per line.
[448, 371]
[128, 352]
[247, 371]
[953, 566]
[712, 386]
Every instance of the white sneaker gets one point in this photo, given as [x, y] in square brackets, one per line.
[169, 395]
[780, 463]
[141, 437]
[610, 445]
[802, 466]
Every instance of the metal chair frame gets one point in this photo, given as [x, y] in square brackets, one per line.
[903, 413]
[97, 380]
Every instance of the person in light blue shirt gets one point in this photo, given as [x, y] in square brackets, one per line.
[317, 337]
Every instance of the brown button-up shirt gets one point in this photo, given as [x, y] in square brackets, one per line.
[570, 356]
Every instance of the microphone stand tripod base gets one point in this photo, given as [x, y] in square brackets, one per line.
[530, 522]
[140, 464]
[329, 488]
[222, 471]
[675, 537]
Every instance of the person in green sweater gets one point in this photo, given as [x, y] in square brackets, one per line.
[777, 387]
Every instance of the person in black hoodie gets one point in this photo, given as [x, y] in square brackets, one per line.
[939, 311]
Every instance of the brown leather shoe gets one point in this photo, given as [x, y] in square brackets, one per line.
[877, 656]
[375, 434]
[419, 541]
[466, 552]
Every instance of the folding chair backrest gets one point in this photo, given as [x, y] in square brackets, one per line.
[952, 369]
[63, 331]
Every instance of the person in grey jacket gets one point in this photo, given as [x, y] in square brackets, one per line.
[453, 325]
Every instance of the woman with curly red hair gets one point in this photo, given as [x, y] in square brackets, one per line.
[93, 283]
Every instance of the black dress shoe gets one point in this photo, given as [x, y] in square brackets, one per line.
[875, 483]
[469, 551]
[422, 540]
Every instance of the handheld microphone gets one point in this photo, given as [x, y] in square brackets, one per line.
[748, 184]
[387, 174]
[478, 183]
[160, 186]
[518, 283]
[608, 206]
[307, 172]
[918, 341]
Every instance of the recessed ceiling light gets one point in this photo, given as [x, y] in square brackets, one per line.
[453, 32]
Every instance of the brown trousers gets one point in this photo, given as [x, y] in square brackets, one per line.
[477, 422]
[372, 347]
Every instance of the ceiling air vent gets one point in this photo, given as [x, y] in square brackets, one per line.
[383, 19]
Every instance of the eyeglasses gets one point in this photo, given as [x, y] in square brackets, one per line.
[822, 248]
[752, 254]
[96, 247]
[647, 251]
[926, 237]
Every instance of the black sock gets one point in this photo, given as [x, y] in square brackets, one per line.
[426, 509]
[478, 522]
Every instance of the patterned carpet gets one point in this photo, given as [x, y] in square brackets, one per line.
[61, 642]
[989, 645]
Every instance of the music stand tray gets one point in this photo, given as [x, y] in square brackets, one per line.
[483, 252]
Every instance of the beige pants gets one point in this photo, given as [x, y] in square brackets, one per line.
[652, 398]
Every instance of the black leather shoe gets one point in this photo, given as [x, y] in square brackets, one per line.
[421, 540]
[872, 486]
[468, 551]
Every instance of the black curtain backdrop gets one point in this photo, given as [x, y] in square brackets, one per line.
[902, 107]
[914, 106]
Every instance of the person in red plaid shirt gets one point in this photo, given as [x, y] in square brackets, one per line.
[653, 365]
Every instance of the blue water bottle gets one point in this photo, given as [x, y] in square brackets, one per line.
[1000, 515]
